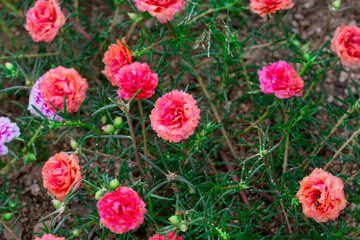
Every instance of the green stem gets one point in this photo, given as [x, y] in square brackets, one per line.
[306, 66]
[11, 7]
[79, 124]
[32, 55]
[8, 33]
[355, 134]
[7, 168]
[146, 153]
[209, 11]
[323, 35]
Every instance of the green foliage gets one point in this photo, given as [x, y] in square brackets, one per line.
[276, 140]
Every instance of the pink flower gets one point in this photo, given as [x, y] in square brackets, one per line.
[49, 237]
[281, 79]
[131, 78]
[170, 236]
[60, 173]
[346, 45]
[44, 20]
[121, 210]
[60, 81]
[8, 131]
[117, 56]
[175, 116]
[321, 195]
[35, 100]
[163, 10]
[264, 7]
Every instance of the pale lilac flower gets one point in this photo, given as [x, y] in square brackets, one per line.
[8, 131]
[36, 100]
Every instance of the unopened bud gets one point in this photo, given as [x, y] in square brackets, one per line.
[57, 204]
[183, 227]
[27, 82]
[9, 66]
[99, 194]
[7, 216]
[104, 119]
[202, 133]
[74, 144]
[109, 129]
[118, 122]
[29, 157]
[336, 4]
[133, 16]
[76, 232]
[175, 220]
[264, 153]
[114, 184]
[12, 204]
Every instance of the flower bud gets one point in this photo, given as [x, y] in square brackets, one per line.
[202, 133]
[29, 157]
[307, 56]
[9, 66]
[12, 204]
[114, 184]
[76, 232]
[109, 129]
[264, 153]
[118, 122]
[336, 4]
[57, 204]
[99, 194]
[27, 82]
[183, 227]
[175, 220]
[133, 16]
[104, 119]
[7, 216]
[74, 144]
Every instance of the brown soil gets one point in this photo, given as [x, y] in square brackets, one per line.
[306, 18]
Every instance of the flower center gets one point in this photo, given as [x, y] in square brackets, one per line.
[317, 197]
[173, 115]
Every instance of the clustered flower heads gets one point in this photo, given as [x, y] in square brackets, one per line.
[121, 210]
[117, 56]
[170, 236]
[60, 173]
[321, 195]
[346, 45]
[8, 131]
[163, 10]
[44, 20]
[265, 7]
[49, 237]
[281, 79]
[175, 116]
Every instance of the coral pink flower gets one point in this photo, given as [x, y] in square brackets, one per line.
[117, 56]
[281, 79]
[60, 81]
[121, 210]
[163, 10]
[170, 236]
[264, 7]
[131, 78]
[49, 237]
[346, 45]
[175, 116]
[321, 195]
[44, 20]
[8, 131]
[60, 173]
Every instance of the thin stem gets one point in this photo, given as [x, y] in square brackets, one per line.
[323, 35]
[207, 95]
[286, 154]
[201, 15]
[7, 168]
[106, 39]
[66, 40]
[146, 153]
[107, 156]
[246, 76]
[256, 122]
[133, 139]
[9, 230]
[32, 55]
[8, 33]
[352, 177]
[322, 76]
[306, 66]
[12, 7]
[342, 148]
[332, 131]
